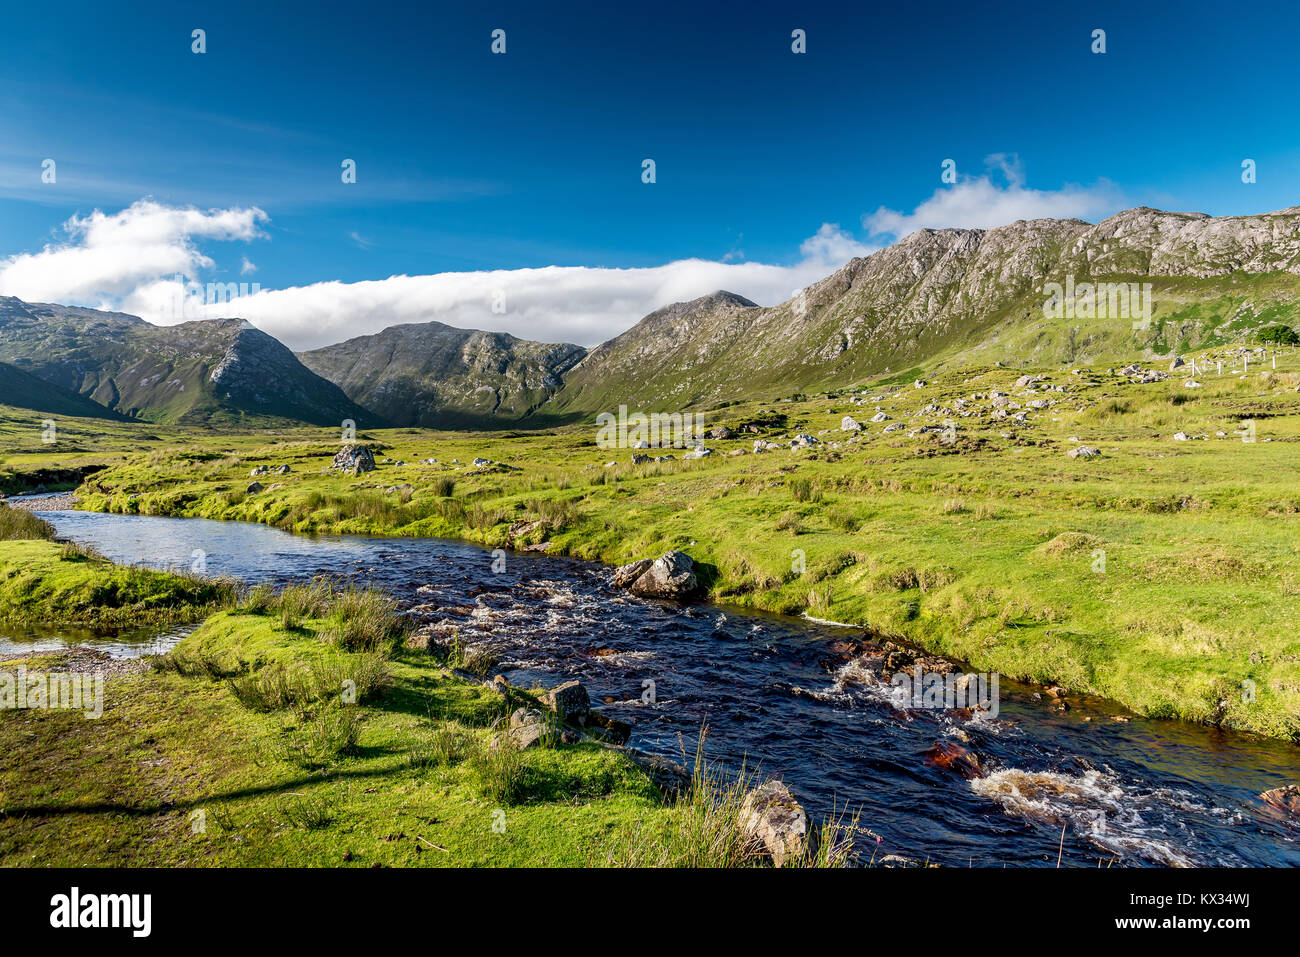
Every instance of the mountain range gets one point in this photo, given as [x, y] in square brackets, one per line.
[936, 297]
[431, 374]
[219, 371]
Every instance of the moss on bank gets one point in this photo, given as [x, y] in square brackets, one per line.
[48, 583]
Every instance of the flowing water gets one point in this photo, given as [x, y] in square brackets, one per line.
[777, 695]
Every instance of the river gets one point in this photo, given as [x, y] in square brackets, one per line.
[1126, 792]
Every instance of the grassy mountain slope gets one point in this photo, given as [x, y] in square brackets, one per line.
[23, 390]
[430, 374]
[217, 371]
[958, 294]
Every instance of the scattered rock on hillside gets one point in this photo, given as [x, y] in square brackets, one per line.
[672, 576]
[1084, 452]
[1181, 436]
[354, 458]
[254, 487]
[1178, 361]
[771, 816]
[720, 433]
[849, 424]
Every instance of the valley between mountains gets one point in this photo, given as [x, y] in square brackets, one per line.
[913, 446]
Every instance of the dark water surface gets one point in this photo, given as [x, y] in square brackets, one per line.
[1136, 793]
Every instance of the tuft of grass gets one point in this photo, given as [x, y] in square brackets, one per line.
[499, 772]
[704, 829]
[803, 490]
[364, 619]
[446, 747]
[323, 736]
[17, 524]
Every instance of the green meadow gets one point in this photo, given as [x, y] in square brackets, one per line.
[1162, 574]
[299, 730]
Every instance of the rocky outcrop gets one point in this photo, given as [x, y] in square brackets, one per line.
[939, 290]
[671, 576]
[776, 822]
[528, 728]
[355, 459]
[433, 375]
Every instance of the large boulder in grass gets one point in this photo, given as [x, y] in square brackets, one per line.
[528, 728]
[770, 816]
[569, 701]
[354, 458]
[671, 576]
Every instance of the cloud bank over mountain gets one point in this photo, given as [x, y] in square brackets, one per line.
[146, 260]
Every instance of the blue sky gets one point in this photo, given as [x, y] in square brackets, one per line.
[471, 162]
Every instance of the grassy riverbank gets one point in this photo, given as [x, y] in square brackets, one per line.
[50, 583]
[297, 731]
[1161, 574]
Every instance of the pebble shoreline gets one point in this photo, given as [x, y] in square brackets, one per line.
[61, 502]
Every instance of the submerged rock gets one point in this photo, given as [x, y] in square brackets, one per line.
[953, 757]
[1284, 799]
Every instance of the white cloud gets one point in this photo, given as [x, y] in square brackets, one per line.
[131, 260]
[982, 202]
[552, 303]
[107, 258]
[832, 245]
[247, 267]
